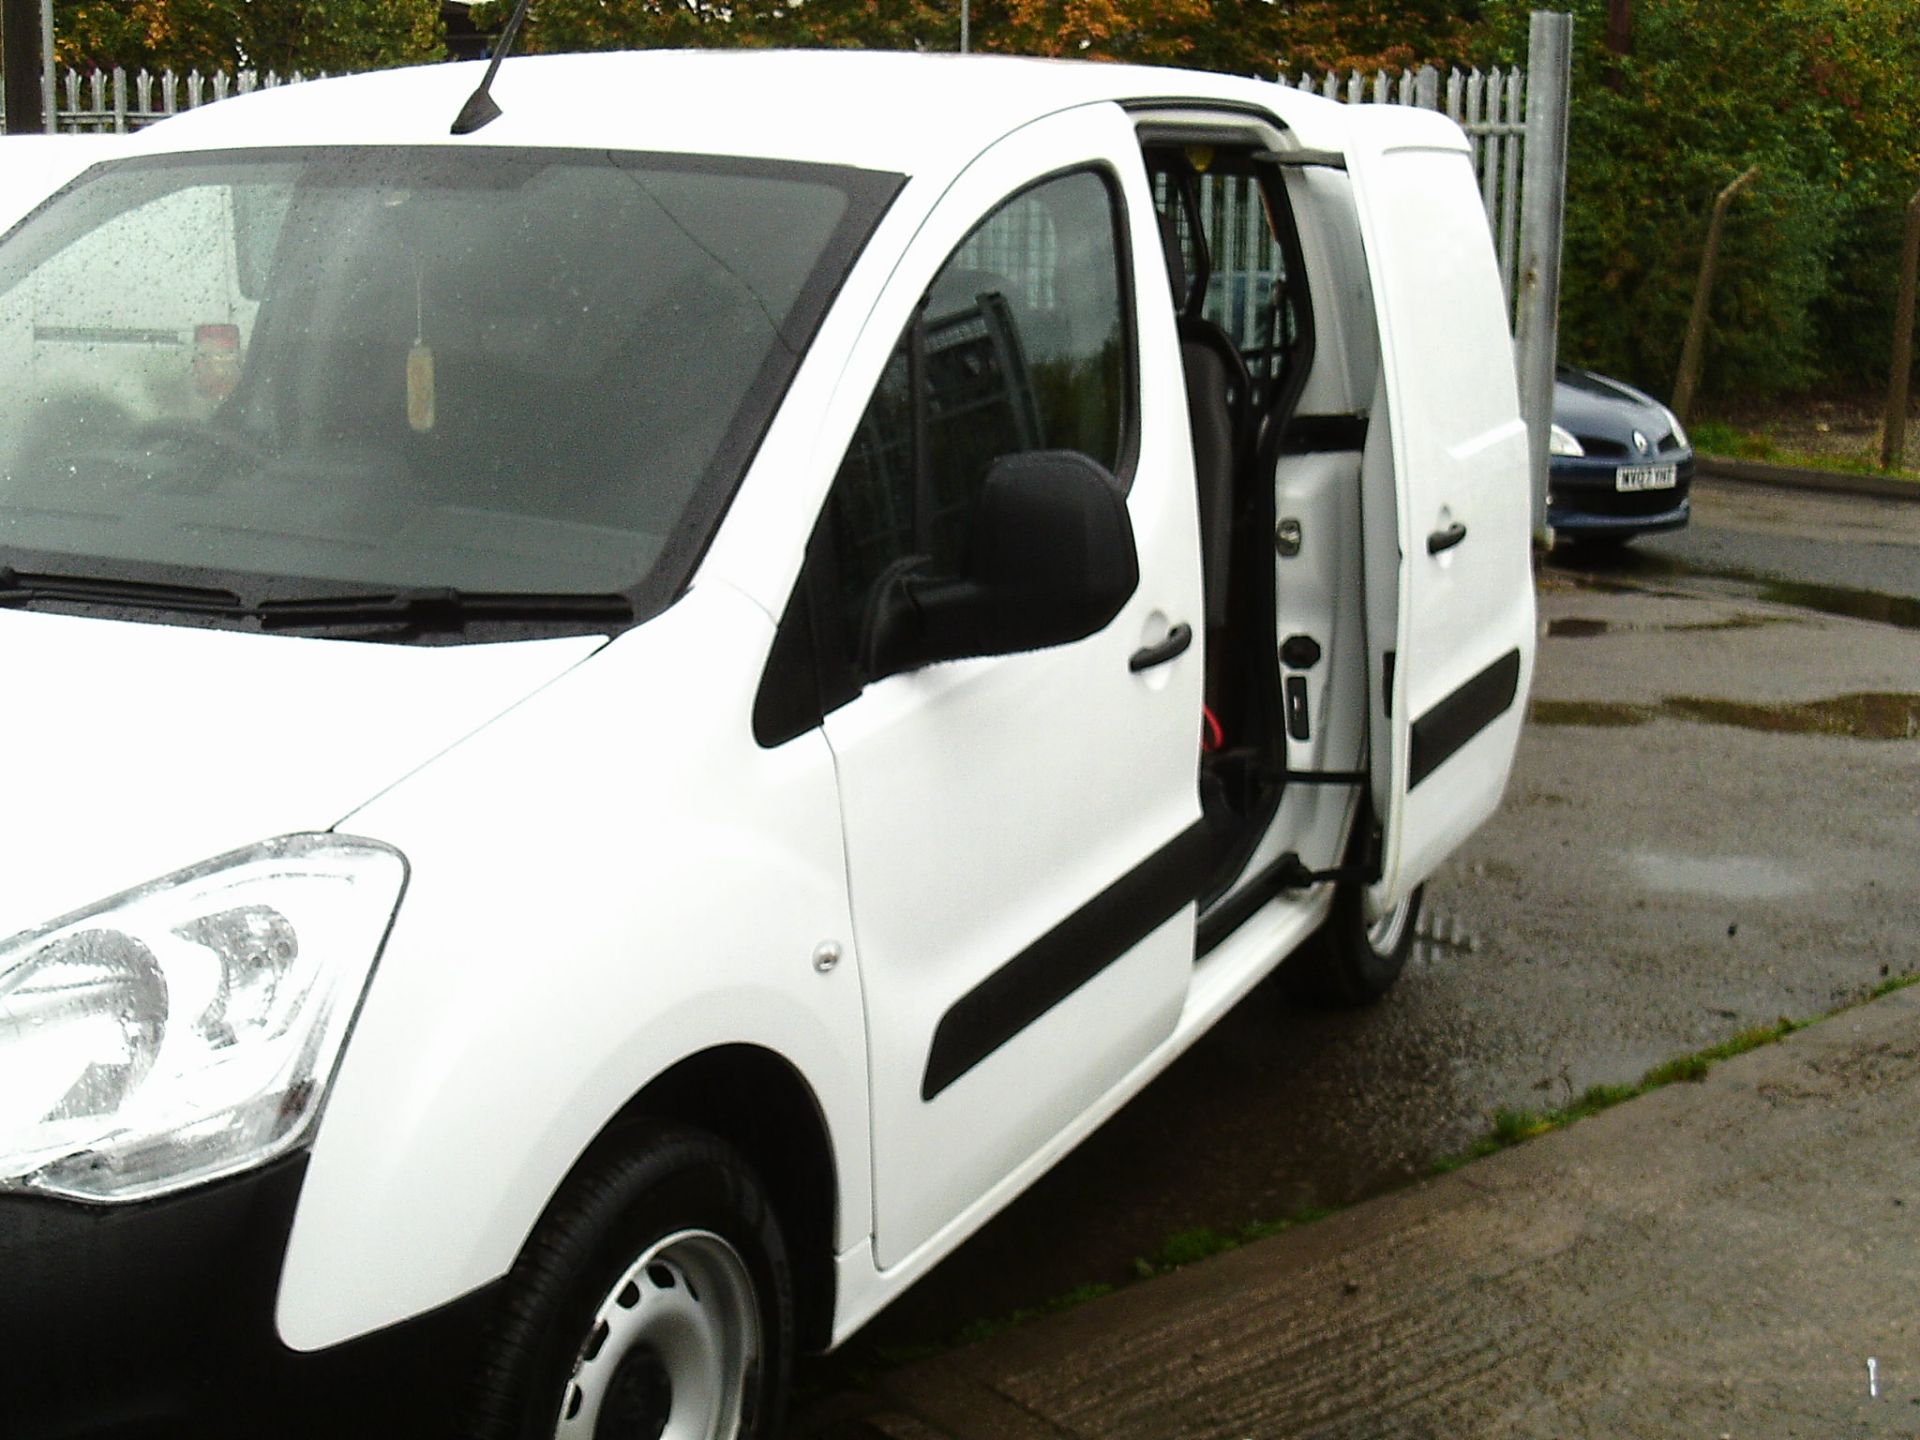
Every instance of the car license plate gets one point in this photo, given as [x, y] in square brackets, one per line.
[1646, 477]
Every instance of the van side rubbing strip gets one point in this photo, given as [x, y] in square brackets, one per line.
[1066, 957]
[1461, 716]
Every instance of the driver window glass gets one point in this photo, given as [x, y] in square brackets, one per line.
[1022, 342]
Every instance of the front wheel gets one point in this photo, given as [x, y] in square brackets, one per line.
[652, 1302]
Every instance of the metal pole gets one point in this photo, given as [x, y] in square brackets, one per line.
[47, 80]
[1542, 215]
[20, 65]
[1696, 341]
[966, 25]
[1893, 444]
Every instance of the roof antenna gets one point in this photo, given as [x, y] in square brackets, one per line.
[480, 108]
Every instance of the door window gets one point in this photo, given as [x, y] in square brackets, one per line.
[1022, 342]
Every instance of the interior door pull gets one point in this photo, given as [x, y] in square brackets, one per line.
[1176, 643]
[1446, 539]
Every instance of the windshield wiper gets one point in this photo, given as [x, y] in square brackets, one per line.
[438, 609]
[21, 587]
[423, 609]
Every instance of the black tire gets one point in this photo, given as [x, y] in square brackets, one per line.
[1350, 962]
[599, 1307]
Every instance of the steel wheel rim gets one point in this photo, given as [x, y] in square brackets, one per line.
[671, 1350]
[1383, 934]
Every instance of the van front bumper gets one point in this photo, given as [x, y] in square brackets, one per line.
[139, 1322]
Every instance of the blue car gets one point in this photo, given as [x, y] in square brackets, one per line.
[1620, 462]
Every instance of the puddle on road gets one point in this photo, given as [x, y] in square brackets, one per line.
[1869, 716]
[1872, 715]
[1900, 610]
[1730, 622]
[1577, 627]
[1601, 714]
[1585, 627]
[1728, 877]
[1630, 570]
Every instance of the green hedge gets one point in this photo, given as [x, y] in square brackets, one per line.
[1825, 96]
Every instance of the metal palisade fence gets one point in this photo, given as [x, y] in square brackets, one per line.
[1490, 106]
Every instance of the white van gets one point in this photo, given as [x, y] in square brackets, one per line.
[735, 661]
[140, 322]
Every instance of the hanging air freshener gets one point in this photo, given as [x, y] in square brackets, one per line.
[420, 399]
[420, 387]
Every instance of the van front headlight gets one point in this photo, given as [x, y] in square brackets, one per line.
[187, 1029]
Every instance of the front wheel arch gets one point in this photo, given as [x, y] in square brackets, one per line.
[757, 1102]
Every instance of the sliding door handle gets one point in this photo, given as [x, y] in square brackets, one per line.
[1446, 539]
[1148, 656]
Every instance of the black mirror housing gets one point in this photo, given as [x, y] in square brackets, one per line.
[1051, 560]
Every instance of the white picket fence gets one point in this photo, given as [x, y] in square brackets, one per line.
[113, 102]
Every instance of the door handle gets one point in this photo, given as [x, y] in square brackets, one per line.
[1446, 539]
[1176, 643]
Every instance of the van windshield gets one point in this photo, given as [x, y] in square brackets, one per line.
[296, 372]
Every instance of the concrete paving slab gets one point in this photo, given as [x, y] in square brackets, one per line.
[1715, 1259]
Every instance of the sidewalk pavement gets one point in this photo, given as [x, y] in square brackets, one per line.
[1717, 1259]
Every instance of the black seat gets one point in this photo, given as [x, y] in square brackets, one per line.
[1218, 387]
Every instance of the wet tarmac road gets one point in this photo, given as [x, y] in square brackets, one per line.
[1711, 825]
[1824, 542]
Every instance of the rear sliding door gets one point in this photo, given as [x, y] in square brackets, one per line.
[1451, 678]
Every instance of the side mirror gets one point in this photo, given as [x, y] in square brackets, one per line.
[1051, 560]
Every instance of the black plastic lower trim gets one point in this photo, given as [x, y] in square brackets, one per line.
[155, 1321]
[1065, 958]
[1448, 726]
[1239, 906]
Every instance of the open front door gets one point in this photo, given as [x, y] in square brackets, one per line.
[1450, 675]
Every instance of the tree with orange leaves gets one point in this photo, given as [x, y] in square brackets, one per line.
[282, 35]
[1152, 31]
[1368, 35]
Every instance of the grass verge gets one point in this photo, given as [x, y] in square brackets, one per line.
[1718, 438]
[1204, 1242]
[1511, 1127]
